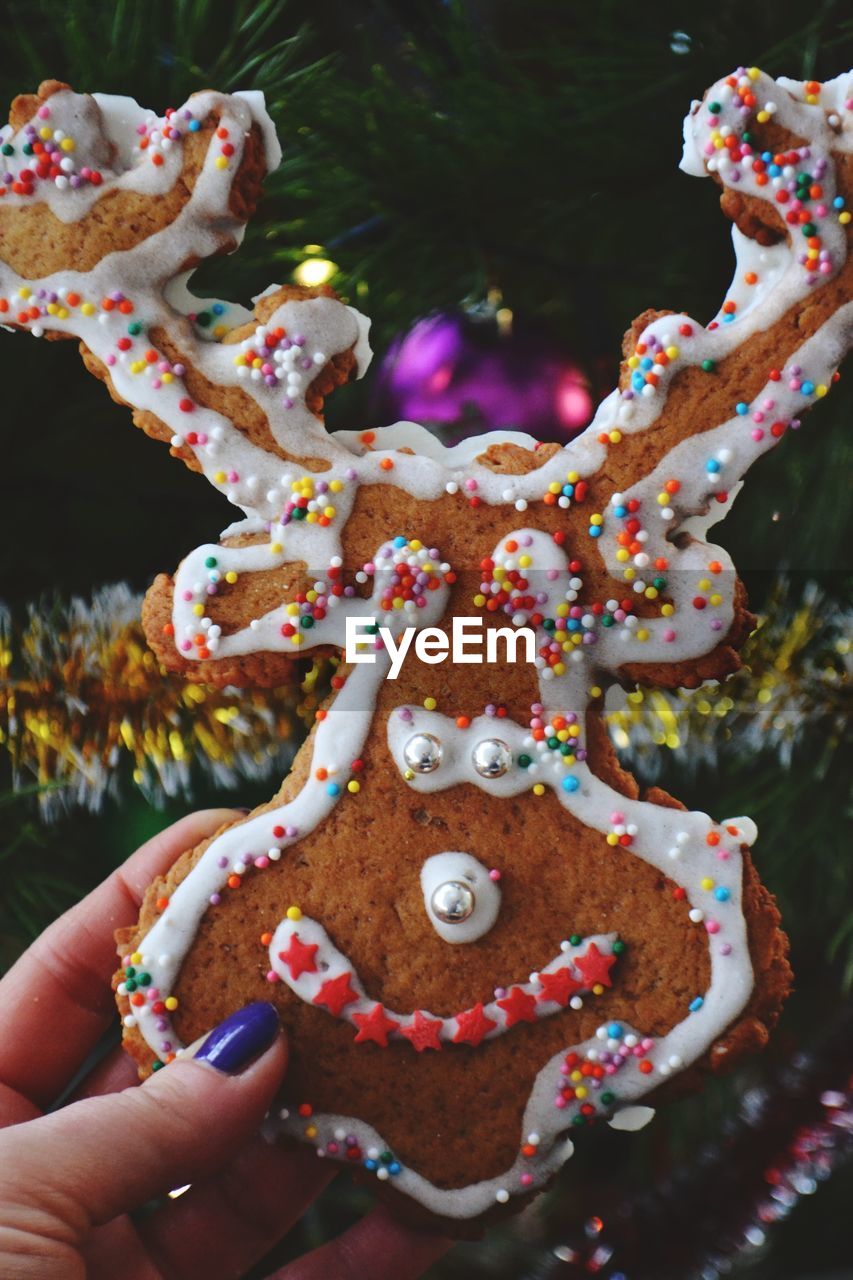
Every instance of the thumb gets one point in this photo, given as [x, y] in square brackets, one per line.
[103, 1156]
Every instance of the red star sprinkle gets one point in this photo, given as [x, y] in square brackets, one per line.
[336, 993]
[374, 1026]
[558, 986]
[299, 957]
[595, 967]
[423, 1033]
[518, 1007]
[472, 1025]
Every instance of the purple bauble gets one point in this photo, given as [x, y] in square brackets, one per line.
[464, 375]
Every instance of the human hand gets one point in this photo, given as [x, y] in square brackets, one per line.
[70, 1180]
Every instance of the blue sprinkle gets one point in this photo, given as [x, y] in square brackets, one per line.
[838, 202]
[570, 784]
[573, 624]
[218, 308]
[333, 789]
[370, 1164]
[614, 1030]
[696, 1005]
[741, 408]
[399, 542]
[394, 1168]
[646, 362]
[637, 381]
[722, 895]
[568, 490]
[595, 530]
[195, 125]
[807, 388]
[774, 171]
[728, 318]
[621, 512]
[712, 465]
[767, 156]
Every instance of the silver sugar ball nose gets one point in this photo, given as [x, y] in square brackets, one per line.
[453, 902]
[491, 758]
[422, 753]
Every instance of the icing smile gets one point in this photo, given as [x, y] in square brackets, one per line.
[303, 956]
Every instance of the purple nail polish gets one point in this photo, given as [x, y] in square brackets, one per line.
[242, 1036]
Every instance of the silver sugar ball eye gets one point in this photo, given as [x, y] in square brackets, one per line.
[453, 902]
[491, 758]
[422, 753]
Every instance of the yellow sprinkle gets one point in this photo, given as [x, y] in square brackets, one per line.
[821, 390]
[136, 958]
[221, 162]
[88, 309]
[763, 117]
[416, 544]
[539, 789]
[24, 292]
[275, 547]
[293, 913]
[663, 499]
[715, 599]
[598, 989]
[171, 1003]
[704, 584]
[667, 610]
[430, 704]
[612, 838]
[572, 476]
[845, 217]
[292, 609]
[220, 477]
[231, 576]
[336, 485]
[198, 610]
[596, 519]
[642, 634]
[479, 601]
[311, 1131]
[524, 562]
[167, 377]
[45, 133]
[409, 775]
[329, 512]
[633, 362]
[297, 639]
[595, 691]
[581, 1091]
[707, 883]
[753, 73]
[622, 555]
[614, 436]
[651, 593]
[554, 487]
[673, 352]
[629, 575]
[353, 787]
[67, 144]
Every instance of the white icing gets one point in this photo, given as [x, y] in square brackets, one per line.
[442, 868]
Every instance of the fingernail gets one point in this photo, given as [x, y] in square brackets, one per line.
[242, 1036]
[243, 808]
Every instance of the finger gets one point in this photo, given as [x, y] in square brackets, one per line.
[103, 1156]
[113, 1073]
[57, 999]
[377, 1247]
[222, 1226]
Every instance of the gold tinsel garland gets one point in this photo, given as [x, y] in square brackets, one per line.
[81, 694]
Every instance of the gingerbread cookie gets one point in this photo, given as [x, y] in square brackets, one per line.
[480, 937]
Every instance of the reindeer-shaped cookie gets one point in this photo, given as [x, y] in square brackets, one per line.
[479, 936]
